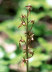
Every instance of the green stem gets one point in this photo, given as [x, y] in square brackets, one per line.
[27, 42]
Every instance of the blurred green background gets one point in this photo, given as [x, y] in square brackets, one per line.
[10, 54]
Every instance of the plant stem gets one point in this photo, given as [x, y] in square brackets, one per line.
[27, 42]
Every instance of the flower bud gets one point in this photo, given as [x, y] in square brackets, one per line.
[29, 7]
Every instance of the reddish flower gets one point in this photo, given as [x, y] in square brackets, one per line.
[23, 16]
[23, 23]
[32, 21]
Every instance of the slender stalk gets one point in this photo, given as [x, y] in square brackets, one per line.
[27, 42]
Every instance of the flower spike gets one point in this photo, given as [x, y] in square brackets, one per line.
[29, 36]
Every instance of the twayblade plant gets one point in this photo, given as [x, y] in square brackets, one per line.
[29, 36]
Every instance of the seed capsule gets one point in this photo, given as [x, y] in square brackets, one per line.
[19, 44]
